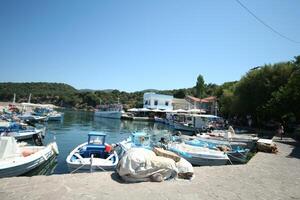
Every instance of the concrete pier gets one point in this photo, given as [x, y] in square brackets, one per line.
[266, 176]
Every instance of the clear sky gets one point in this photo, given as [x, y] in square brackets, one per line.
[141, 44]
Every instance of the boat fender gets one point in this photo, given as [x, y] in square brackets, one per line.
[27, 152]
[54, 148]
[108, 148]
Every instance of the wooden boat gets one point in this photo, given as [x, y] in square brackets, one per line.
[199, 155]
[48, 112]
[136, 140]
[113, 111]
[33, 118]
[19, 131]
[93, 155]
[159, 120]
[16, 160]
[236, 153]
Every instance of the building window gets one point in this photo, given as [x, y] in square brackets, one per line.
[167, 103]
[155, 102]
[146, 102]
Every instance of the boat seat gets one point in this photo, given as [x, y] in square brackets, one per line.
[97, 150]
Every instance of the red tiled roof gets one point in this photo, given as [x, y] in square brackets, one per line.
[209, 99]
[204, 100]
[194, 98]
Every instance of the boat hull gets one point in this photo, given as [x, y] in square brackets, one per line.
[198, 161]
[182, 127]
[84, 164]
[199, 156]
[16, 168]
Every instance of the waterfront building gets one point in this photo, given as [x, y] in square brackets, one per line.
[158, 101]
[208, 104]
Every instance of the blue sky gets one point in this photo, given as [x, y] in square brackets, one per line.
[140, 44]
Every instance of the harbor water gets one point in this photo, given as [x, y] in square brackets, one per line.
[74, 128]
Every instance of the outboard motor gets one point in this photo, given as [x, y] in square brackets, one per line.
[37, 139]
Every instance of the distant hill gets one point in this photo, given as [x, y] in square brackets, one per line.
[40, 90]
[65, 95]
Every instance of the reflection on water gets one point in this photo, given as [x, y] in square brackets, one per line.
[73, 131]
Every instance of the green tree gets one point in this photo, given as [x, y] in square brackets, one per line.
[200, 86]
[180, 94]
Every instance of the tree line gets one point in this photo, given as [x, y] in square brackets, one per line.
[266, 93]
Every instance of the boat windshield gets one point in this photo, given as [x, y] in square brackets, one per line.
[96, 139]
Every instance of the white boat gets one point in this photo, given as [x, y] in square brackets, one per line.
[199, 155]
[230, 136]
[55, 116]
[136, 140]
[93, 155]
[35, 118]
[19, 131]
[109, 114]
[159, 120]
[183, 127]
[16, 160]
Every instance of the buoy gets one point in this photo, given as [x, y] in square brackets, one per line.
[27, 152]
[107, 148]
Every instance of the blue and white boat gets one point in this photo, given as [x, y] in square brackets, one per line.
[236, 153]
[19, 131]
[136, 140]
[92, 155]
[32, 118]
[200, 156]
[51, 114]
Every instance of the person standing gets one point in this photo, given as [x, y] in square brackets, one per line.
[280, 130]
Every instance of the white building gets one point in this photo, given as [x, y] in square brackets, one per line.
[158, 101]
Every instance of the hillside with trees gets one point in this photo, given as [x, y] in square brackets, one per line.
[269, 92]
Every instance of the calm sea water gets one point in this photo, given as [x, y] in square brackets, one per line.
[73, 130]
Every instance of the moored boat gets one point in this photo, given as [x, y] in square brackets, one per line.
[113, 111]
[136, 140]
[199, 155]
[93, 155]
[19, 131]
[16, 160]
[236, 153]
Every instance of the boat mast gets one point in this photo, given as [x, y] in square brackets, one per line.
[14, 100]
[29, 98]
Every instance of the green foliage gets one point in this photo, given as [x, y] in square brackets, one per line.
[255, 89]
[200, 86]
[180, 94]
[267, 92]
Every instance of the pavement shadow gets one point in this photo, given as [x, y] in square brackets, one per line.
[296, 151]
[115, 176]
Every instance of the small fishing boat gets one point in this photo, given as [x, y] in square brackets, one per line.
[19, 131]
[93, 155]
[113, 111]
[190, 130]
[136, 140]
[55, 116]
[230, 136]
[16, 159]
[32, 118]
[159, 119]
[51, 114]
[236, 153]
[199, 155]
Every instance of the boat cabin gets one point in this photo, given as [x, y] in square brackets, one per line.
[140, 139]
[96, 146]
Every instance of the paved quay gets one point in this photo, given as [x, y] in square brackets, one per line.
[266, 176]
